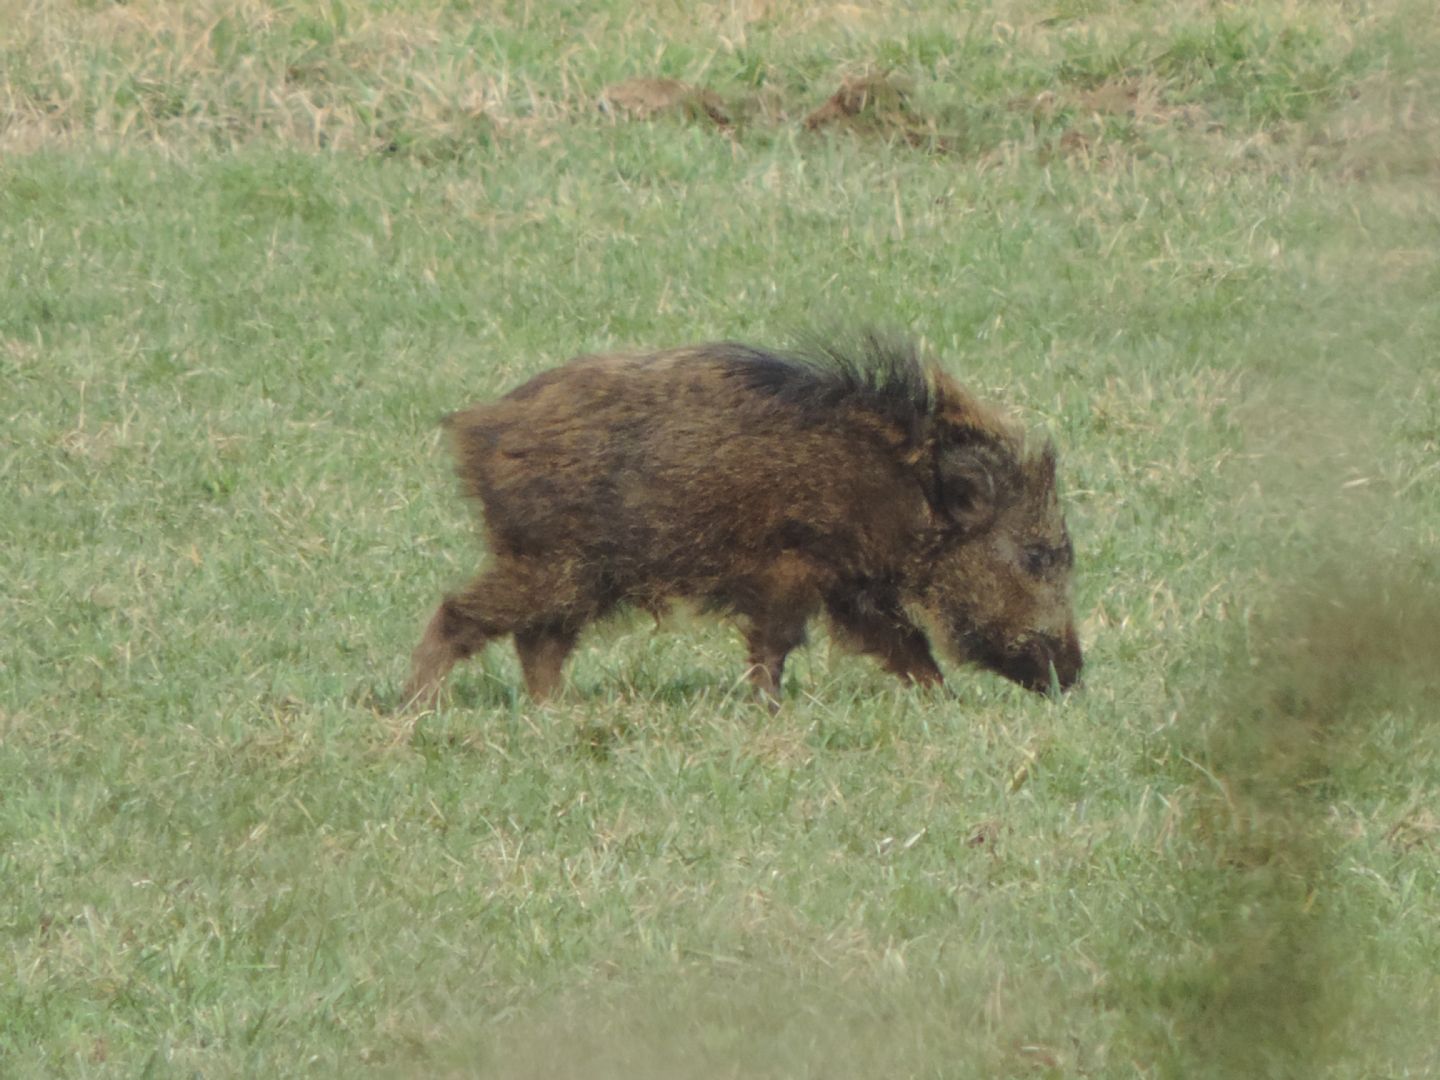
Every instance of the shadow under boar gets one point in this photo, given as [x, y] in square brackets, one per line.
[769, 487]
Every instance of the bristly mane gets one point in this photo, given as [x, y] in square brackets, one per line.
[881, 374]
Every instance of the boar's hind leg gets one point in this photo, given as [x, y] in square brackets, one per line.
[513, 597]
[879, 627]
[449, 638]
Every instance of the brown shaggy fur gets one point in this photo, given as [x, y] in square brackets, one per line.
[770, 487]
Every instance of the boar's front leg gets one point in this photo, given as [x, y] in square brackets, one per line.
[876, 624]
[770, 641]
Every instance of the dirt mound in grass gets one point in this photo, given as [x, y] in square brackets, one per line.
[643, 98]
[876, 105]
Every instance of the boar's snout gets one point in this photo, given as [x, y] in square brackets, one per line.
[1030, 665]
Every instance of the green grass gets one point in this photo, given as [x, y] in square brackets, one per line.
[251, 253]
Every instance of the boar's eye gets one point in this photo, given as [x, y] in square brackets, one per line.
[1040, 559]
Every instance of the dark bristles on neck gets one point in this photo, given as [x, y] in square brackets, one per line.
[873, 372]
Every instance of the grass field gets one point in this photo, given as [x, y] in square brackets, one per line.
[251, 252]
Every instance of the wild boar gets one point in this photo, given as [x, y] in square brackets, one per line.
[767, 486]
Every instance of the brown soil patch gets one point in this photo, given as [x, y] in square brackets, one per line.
[867, 101]
[875, 105]
[873, 99]
[641, 99]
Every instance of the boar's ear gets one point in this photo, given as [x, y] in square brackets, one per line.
[965, 487]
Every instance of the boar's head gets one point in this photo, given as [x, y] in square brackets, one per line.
[996, 585]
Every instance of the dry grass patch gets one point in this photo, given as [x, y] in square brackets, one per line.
[642, 98]
[226, 74]
[430, 81]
